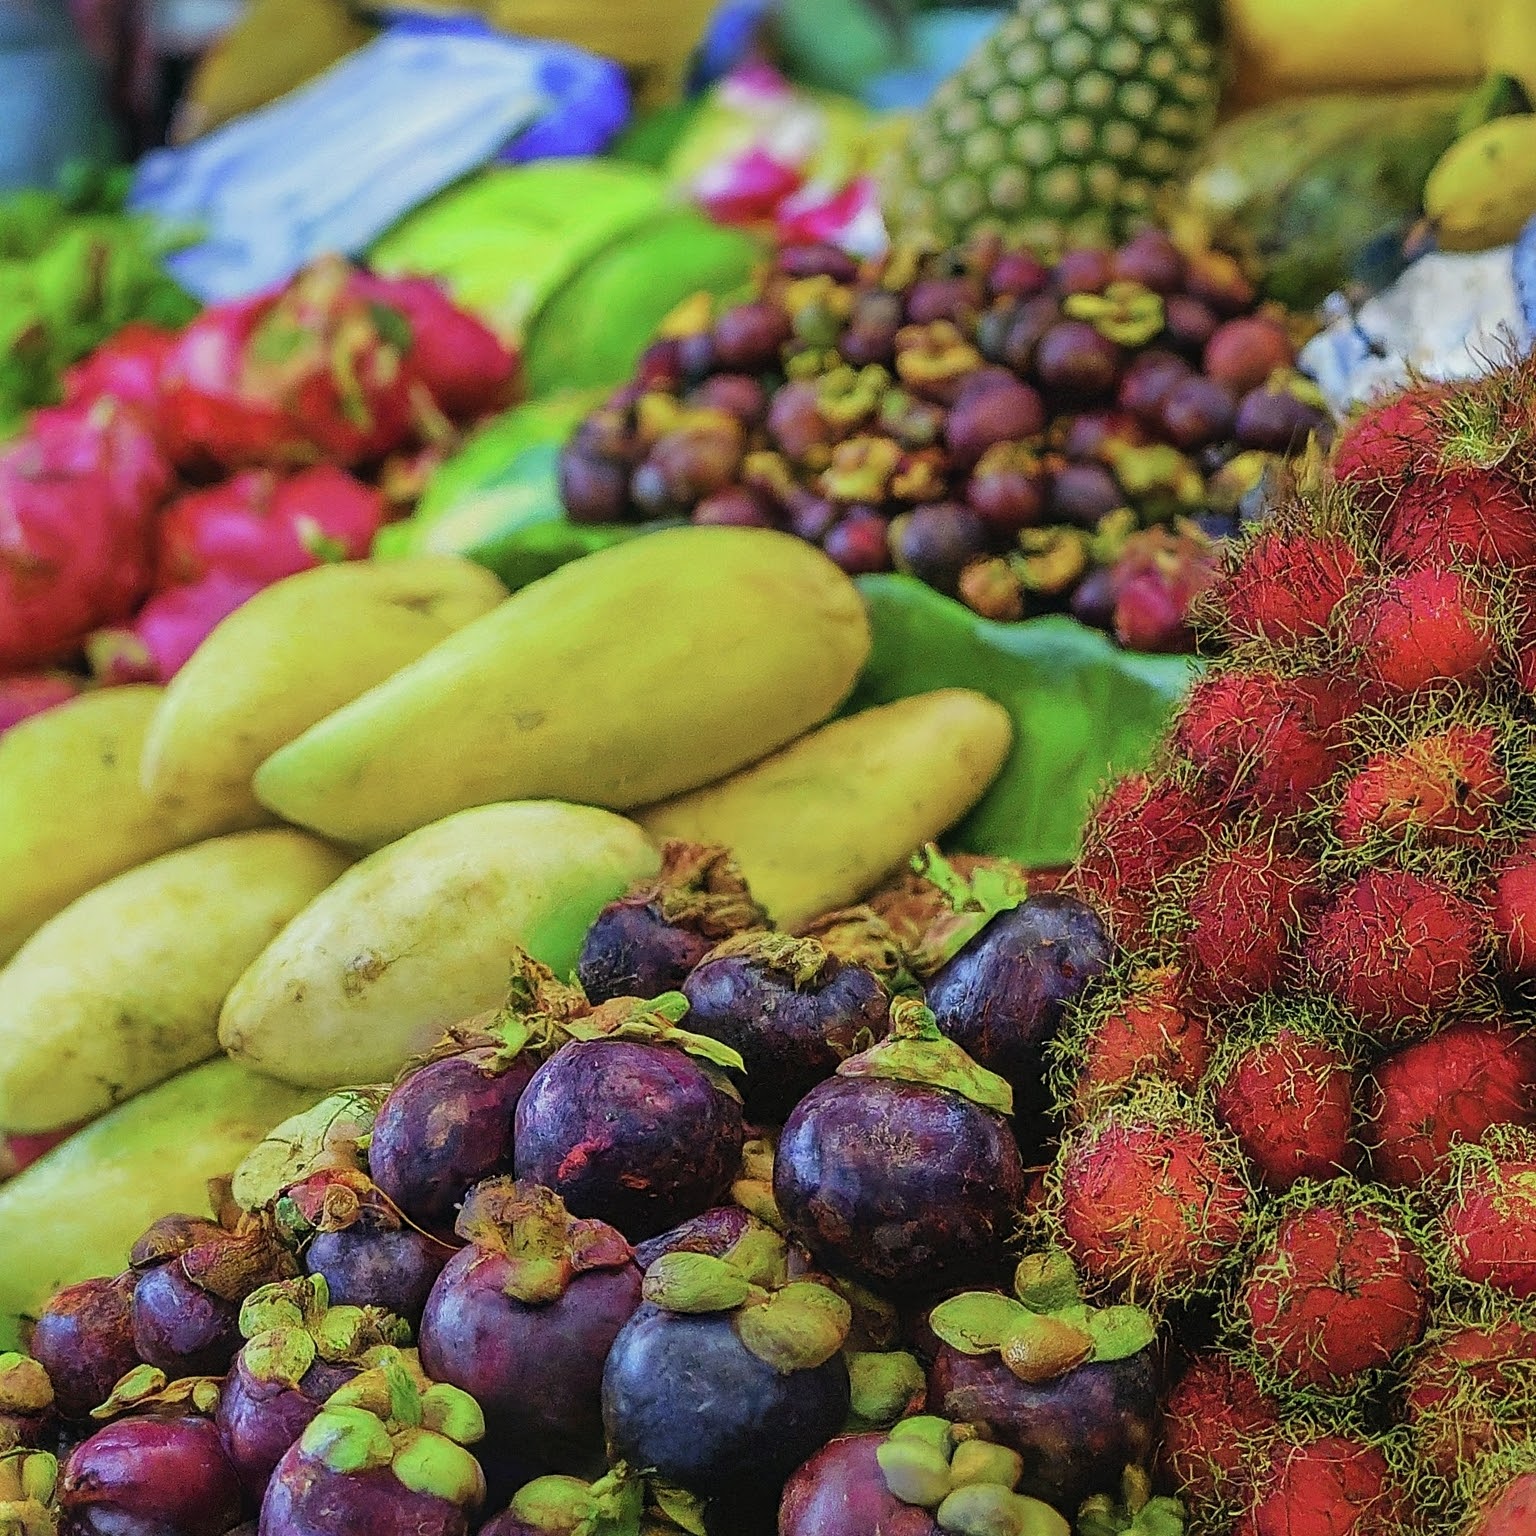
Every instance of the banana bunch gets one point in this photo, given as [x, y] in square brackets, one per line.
[1482, 191]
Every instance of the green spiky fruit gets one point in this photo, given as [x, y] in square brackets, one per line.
[1062, 128]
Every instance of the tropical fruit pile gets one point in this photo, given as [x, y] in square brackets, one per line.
[1027, 438]
[184, 471]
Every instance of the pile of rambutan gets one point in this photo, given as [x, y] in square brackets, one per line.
[1301, 1110]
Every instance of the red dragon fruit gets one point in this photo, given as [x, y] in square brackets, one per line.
[31, 693]
[128, 368]
[108, 439]
[169, 627]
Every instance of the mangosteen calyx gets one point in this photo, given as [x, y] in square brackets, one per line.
[860, 936]
[700, 886]
[965, 1481]
[27, 1483]
[25, 1387]
[332, 1200]
[611, 1506]
[1135, 1513]
[382, 1418]
[147, 1389]
[916, 1052]
[225, 1261]
[655, 1022]
[800, 961]
[792, 1325]
[291, 1324]
[328, 1136]
[973, 900]
[544, 1245]
[884, 1387]
[1048, 1330]
[752, 1189]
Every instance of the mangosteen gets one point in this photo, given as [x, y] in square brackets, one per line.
[524, 1316]
[902, 1171]
[935, 542]
[1003, 991]
[83, 1338]
[561, 1505]
[647, 941]
[383, 1457]
[715, 1232]
[26, 1402]
[299, 1349]
[789, 1008]
[1073, 1389]
[635, 1121]
[924, 1477]
[727, 1378]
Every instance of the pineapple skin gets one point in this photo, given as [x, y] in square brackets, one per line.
[1064, 127]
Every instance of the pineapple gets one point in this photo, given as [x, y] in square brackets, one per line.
[1062, 128]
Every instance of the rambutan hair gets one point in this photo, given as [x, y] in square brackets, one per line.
[1485, 1232]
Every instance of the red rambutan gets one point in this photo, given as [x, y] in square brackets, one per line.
[1261, 740]
[1394, 947]
[1338, 1288]
[1469, 1390]
[1421, 1101]
[1327, 1485]
[1442, 788]
[1476, 516]
[1489, 1223]
[1389, 444]
[1423, 626]
[1216, 1421]
[1250, 903]
[1507, 1507]
[1150, 1200]
[1286, 1092]
[1138, 837]
[1513, 911]
[1288, 584]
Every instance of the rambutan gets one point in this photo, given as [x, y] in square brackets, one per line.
[1424, 1099]
[1337, 1287]
[1470, 1389]
[1283, 1085]
[1141, 834]
[1246, 910]
[1488, 1225]
[1471, 516]
[1395, 947]
[1145, 1029]
[1150, 1197]
[1390, 443]
[1216, 1422]
[1503, 1502]
[1261, 740]
[1325, 1485]
[1442, 788]
[1425, 626]
[1512, 909]
[1288, 584]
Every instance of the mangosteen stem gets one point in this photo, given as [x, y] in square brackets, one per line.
[916, 1051]
[800, 960]
[653, 1022]
[701, 886]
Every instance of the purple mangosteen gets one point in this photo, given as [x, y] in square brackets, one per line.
[27, 1409]
[83, 1338]
[728, 1377]
[193, 1275]
[715, 1231]
[524, 1316]
[1000, 989]
[1073, 1388]
[790, 1008]
[634, 1122]
[298, 1351]
[924, 1477]
[448, 1121]
[647, 941]
[902, 1171]
[383, 1457]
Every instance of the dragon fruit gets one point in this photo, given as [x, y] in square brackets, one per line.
[167, 630]
[31, 693]
[128, 368]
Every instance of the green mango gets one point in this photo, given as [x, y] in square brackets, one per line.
[76, 1211]
[591, 331]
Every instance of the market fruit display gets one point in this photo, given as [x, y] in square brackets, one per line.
[1062, 128]
[1027, 438]
[734, 641]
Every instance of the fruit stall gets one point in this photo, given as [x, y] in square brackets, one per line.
[768, 770]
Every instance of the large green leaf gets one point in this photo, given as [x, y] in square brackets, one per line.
[1083, 710]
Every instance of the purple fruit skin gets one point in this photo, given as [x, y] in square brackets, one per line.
[632, 951]
[181, 1328]
[841, 1491]
[683, 1394]
[508, 1524]
[84, 1339]
[789, 1038]
[150, 1477]
[1077, 1434]
[367, 1266]
[1002, 998]
[714, 1232]
[305, 1498]
[443, 1129]
[909, 1188]
[635, 1135]
[259, 1420]
[536, 1370]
